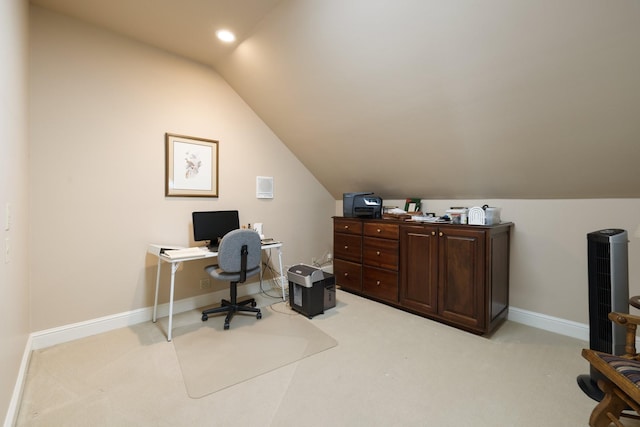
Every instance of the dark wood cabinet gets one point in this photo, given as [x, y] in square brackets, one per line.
[366, 257]
[347, 253]
[380, 259]
[456, 274]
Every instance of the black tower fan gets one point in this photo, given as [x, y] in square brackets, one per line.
[608, 265]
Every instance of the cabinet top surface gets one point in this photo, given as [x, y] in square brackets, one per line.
[410, 222]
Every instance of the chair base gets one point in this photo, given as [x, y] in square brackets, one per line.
[232, 306]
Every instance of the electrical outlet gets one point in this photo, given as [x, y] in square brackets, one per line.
[205, 283]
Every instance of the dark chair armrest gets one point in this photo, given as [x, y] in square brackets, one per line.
[631, 322]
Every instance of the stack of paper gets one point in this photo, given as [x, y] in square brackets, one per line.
[184, 253]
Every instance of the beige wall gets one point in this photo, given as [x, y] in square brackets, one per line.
[100, 106]
[549, 248]
[14, 290]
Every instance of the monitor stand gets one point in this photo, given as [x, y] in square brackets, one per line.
[213, 246]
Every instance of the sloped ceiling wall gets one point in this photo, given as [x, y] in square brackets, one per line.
[455, 99]
[442, 99]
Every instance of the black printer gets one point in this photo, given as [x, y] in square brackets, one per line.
[362, 205]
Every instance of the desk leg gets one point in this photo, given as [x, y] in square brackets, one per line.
[155, 302]
[174, 268]
[282, 283]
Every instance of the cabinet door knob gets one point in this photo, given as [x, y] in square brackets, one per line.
[378, 283]
[346, 274]
[433, 233]
[441, 234]
[346, 247]
[378, 253]
[379, 231]
[346, 227]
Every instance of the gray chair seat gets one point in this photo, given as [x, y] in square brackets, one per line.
[219, 274]
[239, 257]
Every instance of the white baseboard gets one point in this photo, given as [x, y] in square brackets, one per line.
[327, 268]
[14, 405]
[50, 337]
[549, 323]
[53, 336]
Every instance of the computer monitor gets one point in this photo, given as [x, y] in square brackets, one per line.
[211, 226]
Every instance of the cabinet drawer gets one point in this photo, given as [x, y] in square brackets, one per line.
[381, 253]
[381, 284]
[381, 229]
[347, 274]
[347, 247]
[348, 226]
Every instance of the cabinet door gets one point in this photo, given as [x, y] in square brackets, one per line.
[419, 268]
[461, 287]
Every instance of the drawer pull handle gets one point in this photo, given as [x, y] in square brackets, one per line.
[378, 253]
[441, 234]
[433, 233]
[346, 274]
[379, 231]
[378, 283]
[346, 227]
[346, 247]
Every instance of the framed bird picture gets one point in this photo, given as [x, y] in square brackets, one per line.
[191, 167]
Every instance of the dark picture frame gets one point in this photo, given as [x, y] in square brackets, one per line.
[412, 205]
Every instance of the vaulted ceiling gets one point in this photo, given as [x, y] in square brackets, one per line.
[423, 98]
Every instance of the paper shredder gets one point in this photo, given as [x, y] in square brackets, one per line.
[311, 290]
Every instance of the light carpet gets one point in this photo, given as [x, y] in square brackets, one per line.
[212, 359]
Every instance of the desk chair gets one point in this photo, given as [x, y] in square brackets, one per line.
[239, 256]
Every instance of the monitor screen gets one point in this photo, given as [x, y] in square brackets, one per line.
[213, 225]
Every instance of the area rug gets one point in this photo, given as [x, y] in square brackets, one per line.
[212, 359]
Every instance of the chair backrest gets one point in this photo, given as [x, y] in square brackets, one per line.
[229, 251]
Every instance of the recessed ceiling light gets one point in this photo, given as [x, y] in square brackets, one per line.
[226, 36]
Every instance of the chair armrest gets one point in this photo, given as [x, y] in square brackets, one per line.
[631, 322]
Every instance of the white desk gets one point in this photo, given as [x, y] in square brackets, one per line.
[175, 264]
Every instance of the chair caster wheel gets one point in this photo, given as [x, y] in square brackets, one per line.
[205, 317]
[259, 316]
[253, 303]
[226, 326]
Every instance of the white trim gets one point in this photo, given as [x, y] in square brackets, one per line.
[549, 323]
[553, 324]
[50, 337]
[53, 336]
[14, 405]
[74, 331]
